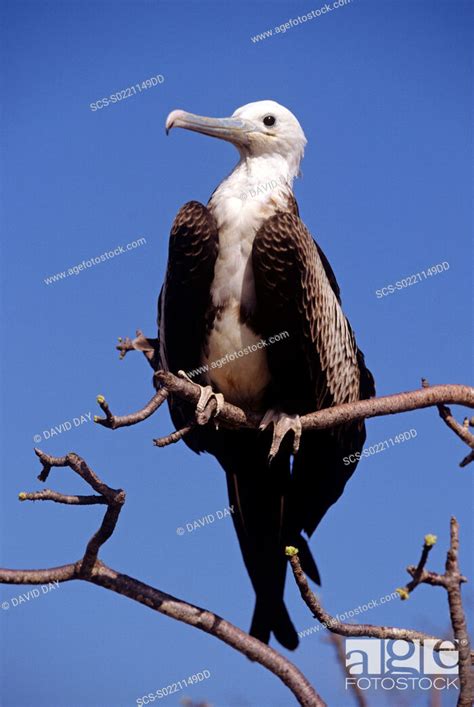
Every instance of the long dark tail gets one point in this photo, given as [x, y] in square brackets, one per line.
[270, 617]
[258, 494]
[258, 497]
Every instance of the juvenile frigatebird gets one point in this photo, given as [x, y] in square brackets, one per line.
[242, 269]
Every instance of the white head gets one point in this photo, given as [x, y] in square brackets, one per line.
[263, 128]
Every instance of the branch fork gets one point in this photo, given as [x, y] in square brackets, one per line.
[451, 581]
[91, 569]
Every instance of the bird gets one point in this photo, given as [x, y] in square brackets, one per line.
[242, 270]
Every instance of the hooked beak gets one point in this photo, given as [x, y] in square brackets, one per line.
[233, 130]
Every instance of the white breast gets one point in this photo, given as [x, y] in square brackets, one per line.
[239, 209]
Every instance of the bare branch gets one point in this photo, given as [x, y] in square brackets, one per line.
[418, 572]
[180, 610]
[149, 347]
[454, 579]
[233, 416]
[174, 436]
[113, 422]
[48, 462]
[343, 629]
[53, 574]
[337, 642]
[48, 495]
[467, 460]
[113, 498]
[461, 431]
[451, 580]
[213, 624]
[91, 569]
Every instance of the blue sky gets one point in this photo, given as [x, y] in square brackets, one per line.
[383, 91]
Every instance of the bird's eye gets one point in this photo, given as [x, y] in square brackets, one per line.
[269, 120]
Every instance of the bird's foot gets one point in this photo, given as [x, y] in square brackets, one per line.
[203, 414]
[282, 424]
[141, 343]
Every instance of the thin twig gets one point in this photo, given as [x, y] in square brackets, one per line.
[174, 436]
[149, 347]
[338, 644]
[462, 431]
[418, 572]
[113, 422]
[467, 460]
[48, 462]
[48, 495]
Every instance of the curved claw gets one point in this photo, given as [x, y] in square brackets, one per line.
[282, 424]
[205, 396]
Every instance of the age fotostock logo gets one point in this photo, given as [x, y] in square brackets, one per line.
[401, 664]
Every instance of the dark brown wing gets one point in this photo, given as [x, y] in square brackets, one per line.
[295, 294]
[185, 309]
[185, 313]
[317, 365]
